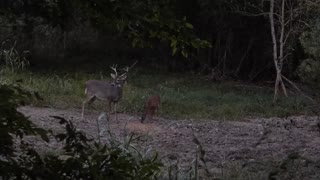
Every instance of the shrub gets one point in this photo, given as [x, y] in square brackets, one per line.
[12, 59]
[15, 161]
[310, 40]
[309, 69]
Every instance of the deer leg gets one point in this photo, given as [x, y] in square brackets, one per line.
[152, 113]
[157, 111]
[82, 114]
[144, 114]
[89, 101]
[113, 107]
[109, 108]
[115, 110]
[147, 113]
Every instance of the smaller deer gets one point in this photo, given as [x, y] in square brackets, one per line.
[151, 106]
[106, 91]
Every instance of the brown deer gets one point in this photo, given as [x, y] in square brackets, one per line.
[151, 106]
[106, 91]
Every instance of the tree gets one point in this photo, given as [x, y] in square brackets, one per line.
[278, 57]
[287, 20]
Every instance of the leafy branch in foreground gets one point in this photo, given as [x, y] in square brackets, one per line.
[13, 122]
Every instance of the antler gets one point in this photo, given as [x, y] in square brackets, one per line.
[126, 69]
[132, 65]
[114, 68]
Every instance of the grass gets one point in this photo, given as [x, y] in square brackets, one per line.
[182, 95]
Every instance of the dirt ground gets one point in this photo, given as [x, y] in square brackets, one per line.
[253, 147]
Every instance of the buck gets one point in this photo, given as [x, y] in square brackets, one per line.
[151, 106]
[106, 91]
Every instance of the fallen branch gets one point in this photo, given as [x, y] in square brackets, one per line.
[296, 87]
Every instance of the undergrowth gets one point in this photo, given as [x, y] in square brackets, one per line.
[182, 95]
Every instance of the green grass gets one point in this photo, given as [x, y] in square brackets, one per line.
[183, 96]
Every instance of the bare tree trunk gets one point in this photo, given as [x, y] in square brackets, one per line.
[277, 59]
[281, 56]
[275, 48]
[276, 87]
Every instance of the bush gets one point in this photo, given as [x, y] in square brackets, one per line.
[12, 59]
[310, 40]
[309, 69]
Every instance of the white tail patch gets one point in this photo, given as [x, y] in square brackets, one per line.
[85, 91]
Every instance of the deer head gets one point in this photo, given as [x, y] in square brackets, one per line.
[120, 79]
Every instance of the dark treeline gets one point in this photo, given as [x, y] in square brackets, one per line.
[227, 39]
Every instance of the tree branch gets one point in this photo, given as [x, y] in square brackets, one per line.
[296, 87]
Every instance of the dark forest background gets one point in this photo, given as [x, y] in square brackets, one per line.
[226, 39]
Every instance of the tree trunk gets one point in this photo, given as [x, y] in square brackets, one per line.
[277, 59]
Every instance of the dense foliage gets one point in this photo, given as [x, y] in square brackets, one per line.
[142, 22]
[79, 31]
[309, 69]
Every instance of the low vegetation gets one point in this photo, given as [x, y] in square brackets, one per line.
[82, 158]
[182, 96]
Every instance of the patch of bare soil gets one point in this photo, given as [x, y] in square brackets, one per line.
[288, 147]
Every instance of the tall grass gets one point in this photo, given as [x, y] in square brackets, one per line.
[182, 95]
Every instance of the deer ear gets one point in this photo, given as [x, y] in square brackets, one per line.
[113, 76]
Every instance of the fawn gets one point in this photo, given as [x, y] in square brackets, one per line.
[106, 91]
[151, 106]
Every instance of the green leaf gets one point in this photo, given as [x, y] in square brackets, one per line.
[184, 53]
[195, 44]
[134, 42]
[174, 50]
[173, 42]
[188, 25]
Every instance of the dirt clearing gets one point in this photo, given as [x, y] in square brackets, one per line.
[257, 146]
